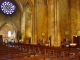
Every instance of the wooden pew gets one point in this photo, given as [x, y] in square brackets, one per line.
[31, 58]
[27, 58]
[55, 52]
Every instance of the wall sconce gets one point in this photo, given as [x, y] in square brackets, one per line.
[66, 33]
[78, 32]
[43, 34]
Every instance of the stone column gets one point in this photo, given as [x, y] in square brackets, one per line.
[51, 21]
[56, 26]
[23, 26]
[34, 22]
[33, 26]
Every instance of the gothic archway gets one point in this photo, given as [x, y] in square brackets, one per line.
[5, 28]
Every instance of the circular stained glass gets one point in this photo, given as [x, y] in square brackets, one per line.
[8, 7]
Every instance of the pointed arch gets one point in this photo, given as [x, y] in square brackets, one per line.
[10, 23]
[28, 1]
[20, 5]
[5, 28]
[8, 26]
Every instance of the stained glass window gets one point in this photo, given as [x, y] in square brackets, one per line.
[8, 7]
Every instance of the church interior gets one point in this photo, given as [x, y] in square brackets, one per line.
[47, 28]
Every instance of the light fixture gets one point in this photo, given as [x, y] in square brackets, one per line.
[43, 34]
[73, 44]
[66, 33]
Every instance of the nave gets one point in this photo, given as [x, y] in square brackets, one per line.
[19, 51]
